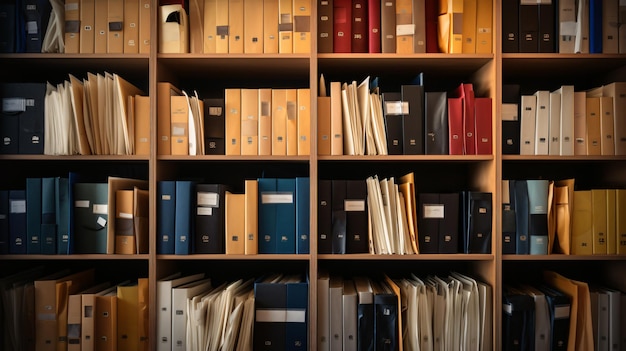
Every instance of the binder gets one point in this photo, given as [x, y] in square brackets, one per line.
[301, 26]
[276, 215]
[144, 26]
[265, 121]
[232, 117]
[48, 216]
[405, 28]
[517, 316]
[23, 109]
[528, 26]
[336, 119]
[291, 135]
[179, 137]
[323, 311]
[164, 126]
[33, 216]
[271, 17]
[166, 214]
[374, 26]
[582, 237]
[436, 123]
[386, 316]
[128, 316]
[325, 26]
[251, 205]
[360, 27]
[413, 121]
[611, 221]
[538, 216]
[324, 216]
[183, 225]
[509, 239]
[296, 326]
[304, 121]
[342, 26]
[580, 123]
[477, 230]
[355, 206]
[303, 204]
[4, 222]
[554, 147]
[547, 34]
[542, 123]
[430, 214]
[101, 27]
[484, 27]
[527, 124]
[214, 138]
[599, 222]
[468, 29]
[253, 27]
[336, 312]
[455, 126]
[388, 26]
[235, 26]
[131, 27]
[607, 133]
[338, 215]
[72, 28]
[285, 27]
[365, 313]
[124, 227]
[234, 227]
[115, 27]
[180, 295]
[394, 110]
[8, 27]
[106, 322]
[91, 217]
[210, 219]
[249, 122]
[522, 212]
[280, 116]
[617, 91]
[484, 123]
[196, 26]
[142, 125]
[349, 304]
[209, 19]
[449, 224]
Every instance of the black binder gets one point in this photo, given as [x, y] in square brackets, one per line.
[559, 306]
[521, 218]
[509, 239]
[324, 217]
[339, 221]
[413, 123]
[477, 223]
[392, 111]
[356, 217]
[210, 218]
[214, 126]
[518, 321]
[436, 123]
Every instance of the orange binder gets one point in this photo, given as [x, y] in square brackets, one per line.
[164, 121]
[270, 26]
[127, 317]
[279, 122]
[179, 136]
[142, 125]
[285, 26]
[235, 225]
[292, 122]
[210, 27]
[301, 26]
[336, 121]
[405, 28]
[253, 28]
[235, 27]
[124, 233]
[106, 322]
[249, 121]
[232, 103]
[304, 122]
[144, 26]
[131, 26]
[265, 121]
[222, 26]
[251, 204]
[100, 27]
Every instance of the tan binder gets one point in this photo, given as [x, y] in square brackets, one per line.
[450, 26]
[173, 35]
[210, 26]
[251, 204]
[593, 126]
[106, 322]
[270, 26]
[323, 125]
[292, 122]
[249, 121]
[582, 238]
[484, 26]
[617, 91]
[72, 26]
[285, 26]
[304, 122]
[124, 228]
[301, 26]
[279, 122]
[87, 19]
[141, 225]
[469, 25]
[164, 121]
[142, 125]
[131, 26]
[144, 26]
[222, 26]
[564, 197]
[405, 28]
[253, 28]
[611, 222]
[235, 27]
[232, 103]
[115, 184]
[101, 26]
[115, 29]
[235, 225]
[419, 20]
[196, 26]
[88, 318]
[179, 136]
[599, 224]
[620, 214]
[336, 122]
[143, 307]
[265, 121]
[128, 317]
[580, 123]
[607, 134]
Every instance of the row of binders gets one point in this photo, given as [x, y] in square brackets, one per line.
[70, 215]
[102, 114]
[451, 312]
[405, 26]
[73, 311]
[562, 314]
[386, 217]
[194, 313]
[564, 26]
[76, 26]
[235, 27]
[357, 119]
[245, 121]
[565, 122]
[541, 217]
[271, 216]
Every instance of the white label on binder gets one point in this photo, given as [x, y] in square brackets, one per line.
[125, 215]
[561, 312]
[434, 211]
[81, 203]
[205, 211]
[277, 198]
[17, 206]
[100, 209]
[354, 205]
[208, 199]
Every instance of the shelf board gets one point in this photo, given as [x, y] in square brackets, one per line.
[561, 257]
[409, 158]
[384, 64]
[77, 158]
[235, 158]
[259, 257]
[586, 158]
[226, 66]
[76, 257]
[519, 65]
[419, 257]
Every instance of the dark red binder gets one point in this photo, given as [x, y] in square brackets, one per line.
[483, 126]
[360, 42]
[455, 125]
[373, 25]
[342, 26]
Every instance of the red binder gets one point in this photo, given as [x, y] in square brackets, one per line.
[483, 125]
[342, 26]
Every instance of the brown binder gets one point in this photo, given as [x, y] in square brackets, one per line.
[301, 26]
[582, 237]
[249, 121]
[127, 317]
[265, 121]
[101, 26]
[599, 221]
[196, 26]
[115, 27]
[179, 135]
[143, 307]
[279, 122]
[88, 318]
[115, 184]
[304, 122]
[142, 125]
[251, 204]
[253, 27]
[141, 225]
[470, 18]
[124, 212]
[611, 221]
[232, 103]
[235, 225]
[292, 122]
[235, 26]
[72, 26]
[106, 322]
[270, 26]
[620, 214]
[131, 26]
[387, 27]
[164, 121]
[87, 32]
[405, 28]
[144, 26]
[336, 119]
[484, 25]
[285, 26]
[564, 207]
[323, 126]
[607, 133]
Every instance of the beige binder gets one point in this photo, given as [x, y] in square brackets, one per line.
[292, 122]
[279, 122]
[249, 121]
[222, 26]
[131, 26]
[210, 27]
[72, 26]
[285, 26]
[232, 103]
[304, 122]
[301, 26]
[115, 29]
[251, 204]
[235, 225]
[145, 14]
[270, 26]
[235, 26]
[265, 121]
[253, 26]
[87, 19]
